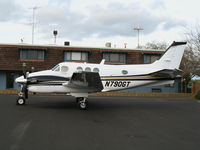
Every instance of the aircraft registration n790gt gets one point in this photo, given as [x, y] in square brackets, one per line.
[81, 79]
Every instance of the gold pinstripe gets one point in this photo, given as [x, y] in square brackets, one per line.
[142, 77]
[56, 81]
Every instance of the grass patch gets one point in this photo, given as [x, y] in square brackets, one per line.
[198, 95]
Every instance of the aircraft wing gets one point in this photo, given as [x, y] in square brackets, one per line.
[167, 73]
[85, 82]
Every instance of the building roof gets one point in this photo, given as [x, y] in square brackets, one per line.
[109, 49]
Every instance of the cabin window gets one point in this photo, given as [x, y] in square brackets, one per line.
[88, 69]
[31, 54]
[148, 59]
[124, 72]
[64, 69]
[79, 69]
[115, 57]
[75, 56]
[96, 70]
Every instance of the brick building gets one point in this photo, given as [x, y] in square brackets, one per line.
[42, 57]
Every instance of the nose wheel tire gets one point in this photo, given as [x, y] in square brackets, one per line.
[21, 101]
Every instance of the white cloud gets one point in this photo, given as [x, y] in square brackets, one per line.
[10, 10]
[108, 20]
[88, 21]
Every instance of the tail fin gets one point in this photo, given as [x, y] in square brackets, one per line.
[172, 57]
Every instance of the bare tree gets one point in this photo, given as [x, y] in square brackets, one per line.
[156, 45]
[191, 57]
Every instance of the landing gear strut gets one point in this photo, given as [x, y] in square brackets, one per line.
[82, 103]
[23, 95]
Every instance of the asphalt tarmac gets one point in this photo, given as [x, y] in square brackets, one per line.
[110, 123]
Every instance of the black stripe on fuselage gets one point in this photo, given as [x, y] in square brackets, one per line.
[43, 84]
[48, 78]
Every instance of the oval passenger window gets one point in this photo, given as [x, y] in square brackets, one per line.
[79, 69]
[124, 72]
[96, 70]
[88, 69]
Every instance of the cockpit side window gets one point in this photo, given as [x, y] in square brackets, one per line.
[64, 69]
[55, 68]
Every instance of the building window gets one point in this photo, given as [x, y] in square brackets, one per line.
[75, 56]
[115, 57]
[156, 90]
[169, 85]
[31, 54]
[148, 59]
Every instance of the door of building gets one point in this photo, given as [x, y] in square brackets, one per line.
[9, 80]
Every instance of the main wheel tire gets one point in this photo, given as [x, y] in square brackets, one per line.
[82, 105]
[21, 101]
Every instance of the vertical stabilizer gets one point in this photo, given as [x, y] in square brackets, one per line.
[172, 57]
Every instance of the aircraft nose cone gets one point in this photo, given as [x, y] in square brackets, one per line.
[20, 80]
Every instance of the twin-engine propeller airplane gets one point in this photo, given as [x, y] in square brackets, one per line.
[81, 79]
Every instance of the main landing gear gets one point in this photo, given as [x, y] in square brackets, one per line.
[82, 103]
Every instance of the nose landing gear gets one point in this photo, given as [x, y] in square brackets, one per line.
[21, 99]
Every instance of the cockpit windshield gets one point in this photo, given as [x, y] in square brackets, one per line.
[61, 68]
[55, 68]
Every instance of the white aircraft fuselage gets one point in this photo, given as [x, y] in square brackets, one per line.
[112, 77]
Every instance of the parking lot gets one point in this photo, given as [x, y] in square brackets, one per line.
[110, 123]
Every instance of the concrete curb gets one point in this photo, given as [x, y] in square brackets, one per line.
[143, 94]
[15, 92]
[9, 91]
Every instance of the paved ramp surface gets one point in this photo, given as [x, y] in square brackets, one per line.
[110, 123]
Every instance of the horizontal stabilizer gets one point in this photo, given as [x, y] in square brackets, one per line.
[167, 73]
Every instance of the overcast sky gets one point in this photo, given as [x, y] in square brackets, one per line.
[95, 22]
